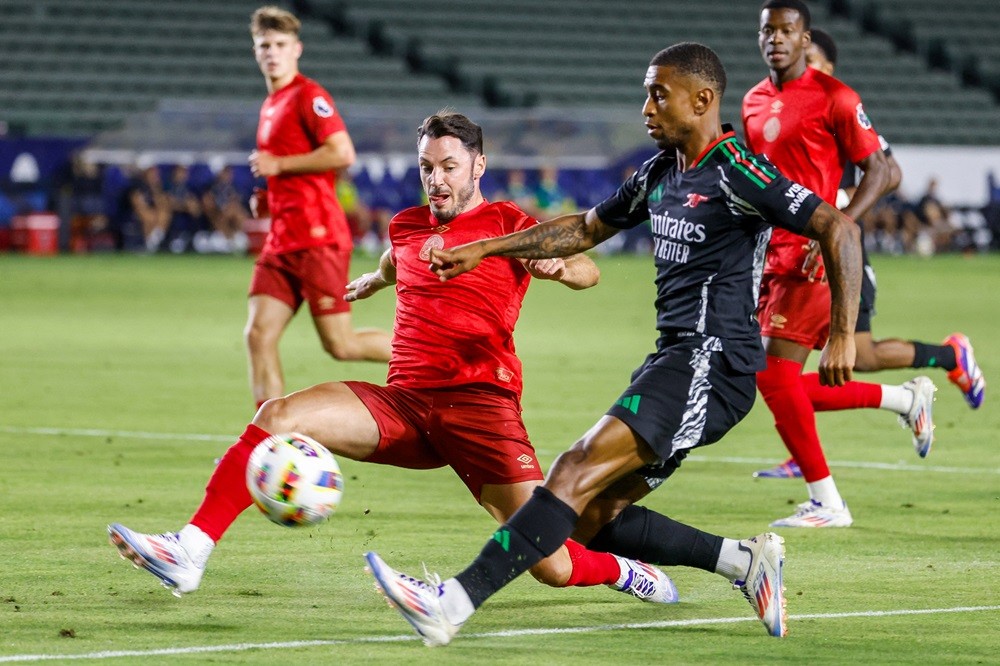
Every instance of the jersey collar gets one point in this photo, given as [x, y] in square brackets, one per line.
[703, 157]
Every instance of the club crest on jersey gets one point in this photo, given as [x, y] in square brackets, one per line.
[772, 128]
[694, 199]
[435, 242]
[321, 107]
[863, 117]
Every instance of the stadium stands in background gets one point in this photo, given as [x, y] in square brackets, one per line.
[76, 67]
[557, 83]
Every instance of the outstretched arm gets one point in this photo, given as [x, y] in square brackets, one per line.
[369, 283]
[840, 240]
[559, 237]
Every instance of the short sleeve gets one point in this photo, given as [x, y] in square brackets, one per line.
[627, 207]
[856, 138]
[319, 114]
[780, 201]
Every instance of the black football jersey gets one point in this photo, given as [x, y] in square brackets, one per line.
[711, 225]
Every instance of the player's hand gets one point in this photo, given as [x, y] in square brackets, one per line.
[450, 263]
[812, 265]
[264, 164]
[258, 203]
[836, 363]
[546, 269]
[364, 286]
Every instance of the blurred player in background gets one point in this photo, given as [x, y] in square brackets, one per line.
[712, 207]
[301, 142]
[454, 386]
[810, 124]
[954, 355]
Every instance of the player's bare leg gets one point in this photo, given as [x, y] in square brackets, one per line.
[331, 413]
[344, 343]
[875, 355]
[266, 321]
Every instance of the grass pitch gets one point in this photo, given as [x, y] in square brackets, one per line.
[124, 377]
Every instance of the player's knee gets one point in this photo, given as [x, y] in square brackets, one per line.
[275, 416]
[866, 363]
[259, 338]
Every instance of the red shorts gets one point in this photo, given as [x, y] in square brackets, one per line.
[318, 275]
[477, 431]
[795, 309]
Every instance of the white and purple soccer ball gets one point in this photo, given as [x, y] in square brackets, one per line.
[294, 480]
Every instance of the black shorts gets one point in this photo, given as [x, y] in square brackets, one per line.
[867, 308]
[683, 396]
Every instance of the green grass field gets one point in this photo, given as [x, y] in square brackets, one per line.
[124, 377]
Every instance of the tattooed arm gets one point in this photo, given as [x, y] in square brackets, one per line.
[559, 237]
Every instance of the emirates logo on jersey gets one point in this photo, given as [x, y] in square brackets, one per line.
[772, 128]
[693, 199]
[503, 374]
[435, 242]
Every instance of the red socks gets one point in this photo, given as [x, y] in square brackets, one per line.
[591, 567]
[852, 395]
[226, 495]
[794, 417]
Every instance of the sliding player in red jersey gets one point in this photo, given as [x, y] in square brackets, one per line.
[301, 142]
[453, 393]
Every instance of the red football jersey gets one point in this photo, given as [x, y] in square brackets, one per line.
[304, 207]
[809, 129]
[460, 331]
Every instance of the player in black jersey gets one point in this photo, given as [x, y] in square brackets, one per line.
[710, 204]
[954, 355]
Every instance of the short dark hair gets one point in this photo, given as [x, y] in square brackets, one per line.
[451, 123]
[823, 40]
[799, 6]
[693, 59]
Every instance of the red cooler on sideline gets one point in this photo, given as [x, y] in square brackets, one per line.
[35, 233]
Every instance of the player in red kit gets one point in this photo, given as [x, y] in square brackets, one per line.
[955, 355]
[809, 125]
[453, 393]
[301, 142]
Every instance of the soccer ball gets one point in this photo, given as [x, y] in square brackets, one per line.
[294, 480]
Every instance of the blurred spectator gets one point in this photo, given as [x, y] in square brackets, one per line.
[147, 211]
[517, 190]
[550, 198]
[937, 231]
[370, 231]
[82, 200]
[185, 211]
[223, 207]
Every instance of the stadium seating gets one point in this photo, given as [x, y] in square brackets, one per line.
[80, 66]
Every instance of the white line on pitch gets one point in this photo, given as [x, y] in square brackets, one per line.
[196, 437]
[512, 633]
